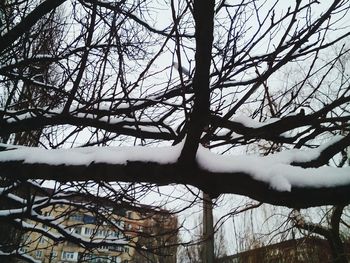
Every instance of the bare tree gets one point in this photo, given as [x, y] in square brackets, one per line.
[331, 232]
[163, 227]
[112, 83]
[193, 251]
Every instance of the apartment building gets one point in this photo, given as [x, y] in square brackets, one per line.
[132, 234]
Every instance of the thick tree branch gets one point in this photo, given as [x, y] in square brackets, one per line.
[213, 183]
[148, 129]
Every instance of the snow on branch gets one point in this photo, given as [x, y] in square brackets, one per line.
[17, 254]
[277, 174]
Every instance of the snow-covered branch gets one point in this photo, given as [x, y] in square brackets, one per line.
[264, 178]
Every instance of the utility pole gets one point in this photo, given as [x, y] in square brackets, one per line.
[208, 223]
[208, 230]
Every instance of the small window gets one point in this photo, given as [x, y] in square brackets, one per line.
[38, 254]
[23, 250]
[53, 254]
[77, 217]
[116, 259]
[117, 248]
[116, 234]
[87, 219]
[42, 240]
[77, 230]
[67, 255]
[104, 247]
[88, 231]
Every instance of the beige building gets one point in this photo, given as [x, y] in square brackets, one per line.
[124, 231]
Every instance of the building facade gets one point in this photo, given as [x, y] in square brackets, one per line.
[134, 234]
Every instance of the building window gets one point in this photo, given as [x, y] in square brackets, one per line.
[88, 231]
[129, 214]
[117, 248]
[23, 250]
[116, 234]
[104, 247]
[76, 217]
[89, 219]
[41, 240]
[53, 254]
[85, 257]
[116, 259]
[126, 249]
[77, 230]
[67, 255]
[38, 254]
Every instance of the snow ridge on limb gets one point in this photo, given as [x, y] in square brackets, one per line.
[275, 179]
[280, 170]
[20, 255]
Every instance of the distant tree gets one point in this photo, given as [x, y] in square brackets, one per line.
[332, 232]
[194, 251]
[158, 239]
[27, 94]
